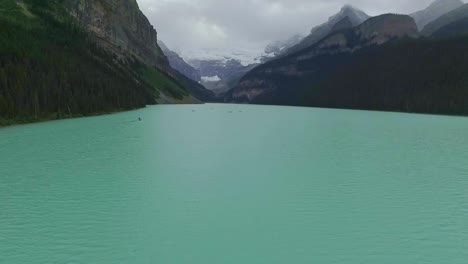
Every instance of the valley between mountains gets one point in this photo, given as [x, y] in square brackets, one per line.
[65, 58]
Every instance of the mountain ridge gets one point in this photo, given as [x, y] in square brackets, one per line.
[435, 10]
[179, 64]
[375, 31]
[354, 15]
[66, 58]
[445, 19]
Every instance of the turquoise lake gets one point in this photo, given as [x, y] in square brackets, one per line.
[230, 184]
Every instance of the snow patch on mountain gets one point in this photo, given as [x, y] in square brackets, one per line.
[211, 78]
[244, 56]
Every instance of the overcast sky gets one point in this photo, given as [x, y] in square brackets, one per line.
[250, 24]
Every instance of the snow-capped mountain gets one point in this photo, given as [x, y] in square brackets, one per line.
[244, 56]
[220, 69]
[434, 11]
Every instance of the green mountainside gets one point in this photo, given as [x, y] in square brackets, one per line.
[52, 67]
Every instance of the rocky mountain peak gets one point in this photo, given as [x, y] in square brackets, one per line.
[355, 15]
[338, 21]
[375, 31]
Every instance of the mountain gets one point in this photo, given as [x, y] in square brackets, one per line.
[379, 65]
[222, 55]
[179, 64]
[411, 75]
[435, 10]
[278, 48]
[456, 28]
[64, 58]
[119, 25]
[219, 75]
[347, 17]
[220, 69]
[375, 31]
[445, 20]
[374, 66]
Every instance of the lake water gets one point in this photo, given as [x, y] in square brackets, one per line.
[235, 184]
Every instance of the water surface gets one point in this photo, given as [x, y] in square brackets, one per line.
[236, 184]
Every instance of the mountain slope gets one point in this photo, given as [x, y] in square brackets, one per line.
[375, 31]
[394, 77]
[179, 64]
[345, 70]
[456, 28]
[187, 75]
[219, 75]
[56, 63]
[412, 75]
[278, 48]
[119, 26]
[445, 20]
[435, 10]
[354, 18]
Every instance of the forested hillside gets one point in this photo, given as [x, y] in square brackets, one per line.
[410, 75]
[50, 68]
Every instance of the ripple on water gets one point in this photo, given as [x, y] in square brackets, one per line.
[236, 184]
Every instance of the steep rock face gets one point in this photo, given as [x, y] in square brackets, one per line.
[121, 28]
[50, 69]
[119, 25]
[381, 29]
[444, 20]
[179, 64]
[434, 11]
[375, 31]
[354, 18]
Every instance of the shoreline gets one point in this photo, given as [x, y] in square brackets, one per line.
[11, 122]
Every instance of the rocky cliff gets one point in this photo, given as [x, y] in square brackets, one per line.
[378, 30]
[65, 58]
[120, 26]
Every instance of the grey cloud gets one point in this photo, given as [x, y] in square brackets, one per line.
[250, 24]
